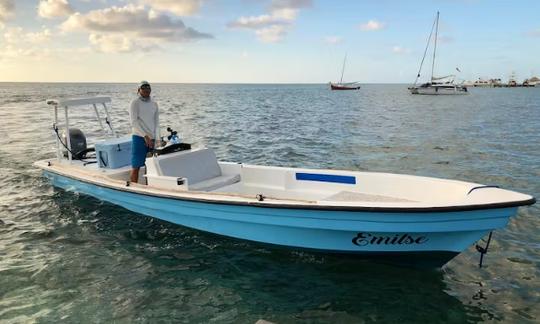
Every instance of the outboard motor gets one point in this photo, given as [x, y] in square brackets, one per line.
[78, 142]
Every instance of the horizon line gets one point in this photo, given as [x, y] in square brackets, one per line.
[168, 82]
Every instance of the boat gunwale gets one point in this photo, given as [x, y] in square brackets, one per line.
[256, 203]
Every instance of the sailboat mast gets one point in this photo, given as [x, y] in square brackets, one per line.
[425, 51]
[435, 46]
[343, 69]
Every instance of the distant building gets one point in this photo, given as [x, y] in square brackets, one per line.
[487, 83]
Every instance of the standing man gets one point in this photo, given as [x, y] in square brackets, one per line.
[144, 116]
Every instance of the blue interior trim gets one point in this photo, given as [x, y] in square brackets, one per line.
[326, 178]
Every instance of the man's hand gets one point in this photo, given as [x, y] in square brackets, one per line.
[148, 141]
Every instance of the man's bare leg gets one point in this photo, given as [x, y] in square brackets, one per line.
[134, 175]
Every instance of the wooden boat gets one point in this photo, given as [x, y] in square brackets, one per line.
[341, 85]
[336, 211]
[344, 86]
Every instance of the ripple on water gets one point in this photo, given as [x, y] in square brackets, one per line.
[70, 258]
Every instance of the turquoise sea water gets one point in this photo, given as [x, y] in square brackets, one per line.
[70, 258]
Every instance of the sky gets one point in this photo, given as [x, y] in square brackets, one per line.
[264, 41]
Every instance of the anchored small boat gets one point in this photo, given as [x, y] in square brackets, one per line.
[325, 210]
[444, 85]
[344, 85]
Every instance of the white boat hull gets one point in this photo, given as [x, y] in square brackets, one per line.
[457, 90]
[330, 228]
[327, 210]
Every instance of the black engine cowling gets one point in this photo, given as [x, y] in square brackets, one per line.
[78, 141]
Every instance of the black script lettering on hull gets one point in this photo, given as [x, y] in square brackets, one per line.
[364, 239]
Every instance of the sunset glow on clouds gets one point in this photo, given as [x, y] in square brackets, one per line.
[260, 41]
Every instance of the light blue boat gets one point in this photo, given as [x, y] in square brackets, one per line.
[324, 210]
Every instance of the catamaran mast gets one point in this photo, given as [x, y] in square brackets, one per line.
[435, 46]
[425, 51]
[343, 69]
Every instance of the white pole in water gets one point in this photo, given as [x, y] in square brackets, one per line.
[68, 138]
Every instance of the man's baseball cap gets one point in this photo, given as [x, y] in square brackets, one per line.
[144, 83]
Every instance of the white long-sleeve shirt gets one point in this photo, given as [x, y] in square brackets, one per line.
[144, 115]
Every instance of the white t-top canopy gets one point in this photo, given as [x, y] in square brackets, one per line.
[79, 102]
[66, 103]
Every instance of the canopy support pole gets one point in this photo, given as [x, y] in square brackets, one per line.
[107, 120]
[68, 137]
[55, 126]
[97, 116]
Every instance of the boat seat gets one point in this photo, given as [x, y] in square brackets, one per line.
[200, 168]
[215, 183]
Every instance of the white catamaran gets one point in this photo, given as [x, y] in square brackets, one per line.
[437, 85]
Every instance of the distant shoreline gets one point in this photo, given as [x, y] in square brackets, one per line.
[240, 83]
[202, 83]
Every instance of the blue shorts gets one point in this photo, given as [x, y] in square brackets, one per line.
[138, 151]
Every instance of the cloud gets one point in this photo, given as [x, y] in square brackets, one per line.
[273, 26]
[17, 44]
[7, 9]
[54, 9]
[16, 35]
[295, 4]
[177, 7]
[372, 25]
[400, 50]
[534, 33]
[118, 44]
[281, 16]
[10, 52]
[272, 34]
[133, 22]
[333, 39]
[255, 22]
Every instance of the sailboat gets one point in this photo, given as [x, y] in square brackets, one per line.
[437, 85]
[344, 86]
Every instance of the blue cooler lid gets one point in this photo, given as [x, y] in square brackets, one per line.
[115, 141]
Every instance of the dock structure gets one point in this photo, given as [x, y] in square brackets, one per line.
[497, 83]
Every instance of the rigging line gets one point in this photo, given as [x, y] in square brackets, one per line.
[435, 46]
[425, 51]
[343, 69]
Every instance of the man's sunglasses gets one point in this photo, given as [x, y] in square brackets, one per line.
[146, 88]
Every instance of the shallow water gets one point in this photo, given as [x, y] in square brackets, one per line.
[68, 257]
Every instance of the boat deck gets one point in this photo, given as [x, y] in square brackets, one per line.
[306, 187]
[357, 196]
